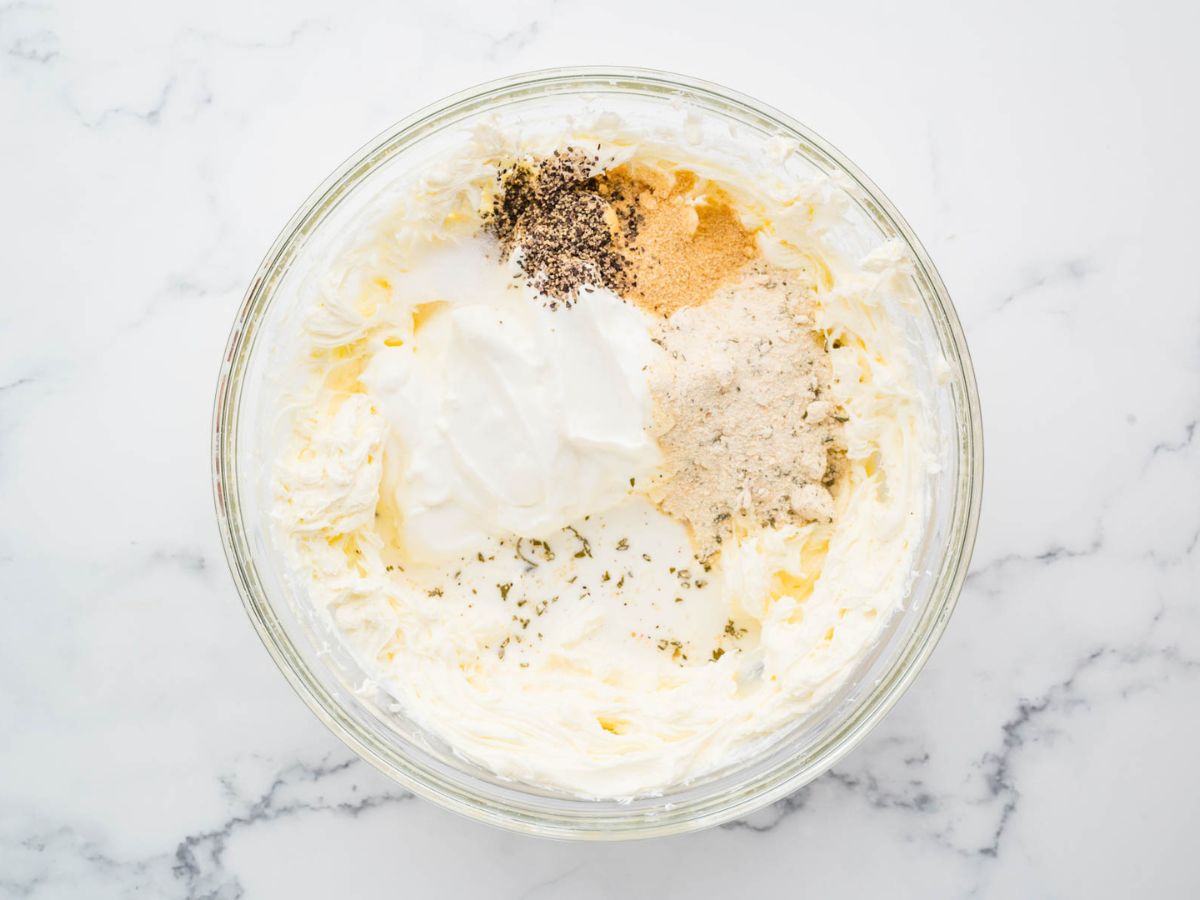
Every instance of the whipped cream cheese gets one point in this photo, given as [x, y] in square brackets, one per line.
[459, 489]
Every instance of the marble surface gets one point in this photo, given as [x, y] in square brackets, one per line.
[1046, 153]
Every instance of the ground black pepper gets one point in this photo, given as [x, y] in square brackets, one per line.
[570, 225]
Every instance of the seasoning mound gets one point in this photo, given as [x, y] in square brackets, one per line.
[689, 240]
[563, 224]
[746, 436]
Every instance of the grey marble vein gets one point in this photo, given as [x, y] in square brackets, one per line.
[198, 859]
[1072, 273]
[550, 887]
[57, 859]
[39, 47]
[13, 385]
[289, 40]
[775, 814]
[513, 42]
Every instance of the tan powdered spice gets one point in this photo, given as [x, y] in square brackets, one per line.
[746, 435]
[687, 241]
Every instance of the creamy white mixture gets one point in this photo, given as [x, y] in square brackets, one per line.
[460, 484]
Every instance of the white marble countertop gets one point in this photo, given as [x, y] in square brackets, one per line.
[1045, 154]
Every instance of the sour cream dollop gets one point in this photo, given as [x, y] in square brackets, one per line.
[504, 416]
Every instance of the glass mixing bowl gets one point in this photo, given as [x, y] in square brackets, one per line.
[327, 677]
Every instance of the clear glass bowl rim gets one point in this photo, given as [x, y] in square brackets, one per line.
[503, 811]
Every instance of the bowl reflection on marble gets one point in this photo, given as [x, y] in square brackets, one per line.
[329, 679]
